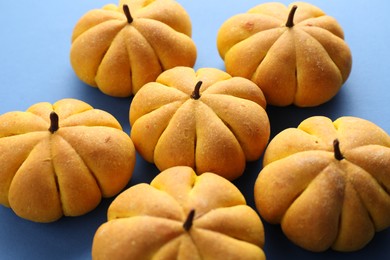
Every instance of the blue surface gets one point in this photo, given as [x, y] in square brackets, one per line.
[34, 67]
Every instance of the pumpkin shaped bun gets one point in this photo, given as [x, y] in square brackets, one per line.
[204, 119]
[180, 216]
[61, 159]
[327, 183]
[296, 54]
[120, 48]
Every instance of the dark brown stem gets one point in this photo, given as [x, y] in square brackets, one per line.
[126, 10]
[190, 219]
[53, 122]
[337, 153]
[196, 93]
[290, 19]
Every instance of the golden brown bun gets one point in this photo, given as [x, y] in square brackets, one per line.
[146, 221]
[305, 64]
[323, 198]
[46, 175]
[221, 130]
[119, 57]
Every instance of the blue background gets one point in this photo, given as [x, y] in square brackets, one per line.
[35, 67]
